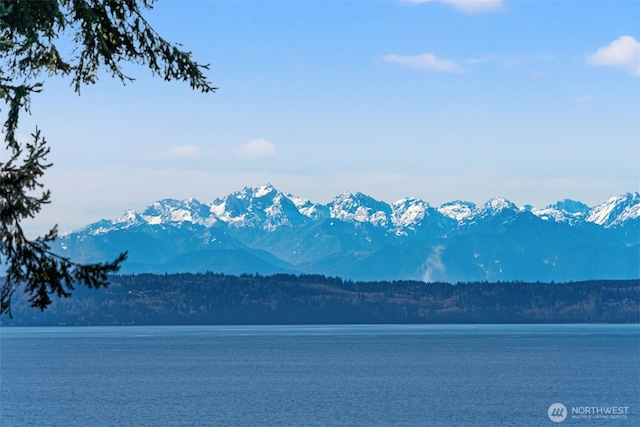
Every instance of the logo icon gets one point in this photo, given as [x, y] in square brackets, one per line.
[557, 412]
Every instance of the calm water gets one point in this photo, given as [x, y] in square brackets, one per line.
[318, 375]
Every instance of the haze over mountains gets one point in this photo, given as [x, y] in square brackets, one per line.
[263, 230]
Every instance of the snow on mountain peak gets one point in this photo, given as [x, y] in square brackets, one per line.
[259, 207]
[306, 207]
[566, 210]
[616, 210]
[408, 212]
[282, 211]
[263, 190]
[129, 217]
[359, 208]
[498, 204]
[267, 208]
[466, 211]
[240, 208]
[172, 210]
[458, 210]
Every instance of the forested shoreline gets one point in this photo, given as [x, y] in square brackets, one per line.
[216, 299]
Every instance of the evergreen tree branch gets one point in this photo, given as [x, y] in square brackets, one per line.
[105, 34]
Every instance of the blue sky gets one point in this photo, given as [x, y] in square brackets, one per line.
[535, 101]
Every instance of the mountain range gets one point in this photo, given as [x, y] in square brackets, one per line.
[266, 231]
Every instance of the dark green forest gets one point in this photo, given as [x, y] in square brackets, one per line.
[213, 299]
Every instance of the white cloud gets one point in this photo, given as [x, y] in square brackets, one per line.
[182, 151]
[257, 148]
[623, 53]
[425, 62]
[469, 6]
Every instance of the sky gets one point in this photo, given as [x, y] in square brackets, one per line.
[534, 101]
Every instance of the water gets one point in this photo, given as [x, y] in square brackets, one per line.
[318, 375]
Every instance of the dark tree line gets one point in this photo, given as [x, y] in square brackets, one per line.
[306, 299]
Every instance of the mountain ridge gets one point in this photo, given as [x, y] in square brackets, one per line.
[359, 237]
[359, 207]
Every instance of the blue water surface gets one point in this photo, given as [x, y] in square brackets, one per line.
[440, 375]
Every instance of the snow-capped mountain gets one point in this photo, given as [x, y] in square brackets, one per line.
[564, 211]
[261, 207]
[171, 210]
[261, 229]
[360, 208]
[492, 208]
[458, 210]
[616, 210]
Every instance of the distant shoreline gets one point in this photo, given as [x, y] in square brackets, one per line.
[281, 299]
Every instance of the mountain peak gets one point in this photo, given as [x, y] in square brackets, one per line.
[566, 210]
[408, 212]
[616, 210]
[173, 210]
[570, 206]
[359, 207]
[498, 204]
[458, 210]
[264, 190]
[261, 207]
